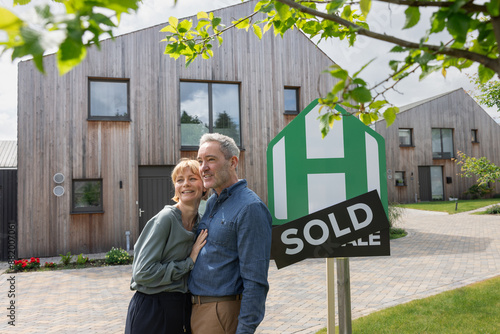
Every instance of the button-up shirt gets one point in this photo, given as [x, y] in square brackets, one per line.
[235, 259]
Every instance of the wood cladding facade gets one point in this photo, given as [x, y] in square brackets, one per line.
[55, 135]
[455, 110]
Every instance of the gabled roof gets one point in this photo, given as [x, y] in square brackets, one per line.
[8, 154]
[415, 104]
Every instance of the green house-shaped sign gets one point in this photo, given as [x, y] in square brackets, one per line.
[307, 173]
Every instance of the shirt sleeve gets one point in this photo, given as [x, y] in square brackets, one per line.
[254, 249]
[148, 268]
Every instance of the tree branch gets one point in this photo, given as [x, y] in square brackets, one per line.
[491, 63]
[470, 7]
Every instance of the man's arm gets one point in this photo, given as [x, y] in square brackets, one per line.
[254, 249]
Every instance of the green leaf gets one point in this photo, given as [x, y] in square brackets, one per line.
[365, 118]
[390, 115]
[284, 11]
[332, 6]
[338, 72]
[493, 7]
[173, 21]
[9, 22]
[242, 24]
[376, 105]
[458, 26]
[338, 87]
[216, 21]
[169, 29]
[184, 26]
[365, 6]
[412, 17]
[484, 73]
[438, 21]
[257, 30]
[361, 94]
[70, 54]
[202, 15]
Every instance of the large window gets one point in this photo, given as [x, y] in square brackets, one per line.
[108, 100]
[209, 107]
[291, 100]
[87, 196]
[405, 137]
[442, 144]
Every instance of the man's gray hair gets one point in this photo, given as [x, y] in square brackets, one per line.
[228, 146]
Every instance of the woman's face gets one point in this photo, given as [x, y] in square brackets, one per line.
[188, 186]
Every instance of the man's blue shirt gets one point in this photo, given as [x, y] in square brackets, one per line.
[235, 258]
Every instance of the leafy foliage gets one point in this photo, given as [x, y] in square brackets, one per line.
[474, 29]
[66, 259]
[117, 256]
[489, 92]
[493, 210]
[82, 25]
[482, 168]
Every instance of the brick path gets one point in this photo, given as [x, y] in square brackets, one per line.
[442, 252]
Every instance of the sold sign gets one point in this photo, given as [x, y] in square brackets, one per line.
[307, 173]
[322, 233]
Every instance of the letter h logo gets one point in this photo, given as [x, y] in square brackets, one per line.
[307, 173]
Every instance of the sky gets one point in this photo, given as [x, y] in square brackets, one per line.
[381, 18]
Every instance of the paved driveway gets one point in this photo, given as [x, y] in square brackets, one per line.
[442, 252]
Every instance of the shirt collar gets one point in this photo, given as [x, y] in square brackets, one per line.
[227, 192]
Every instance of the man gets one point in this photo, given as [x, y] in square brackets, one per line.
[229, 280]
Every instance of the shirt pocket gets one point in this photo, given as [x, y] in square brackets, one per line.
[223, 233]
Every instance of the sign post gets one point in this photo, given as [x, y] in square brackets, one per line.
[308, 174]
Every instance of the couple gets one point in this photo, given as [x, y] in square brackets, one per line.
[229, 281]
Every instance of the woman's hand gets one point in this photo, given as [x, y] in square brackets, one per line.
[198, 245]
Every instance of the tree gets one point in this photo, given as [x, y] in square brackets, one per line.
[467, 33]
[482, 168]
[489, 92]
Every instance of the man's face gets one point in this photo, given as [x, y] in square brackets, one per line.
[215, 170]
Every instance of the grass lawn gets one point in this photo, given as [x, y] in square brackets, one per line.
[471, 309]
[449, 206]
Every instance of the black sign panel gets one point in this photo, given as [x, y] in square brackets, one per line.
[358, 226]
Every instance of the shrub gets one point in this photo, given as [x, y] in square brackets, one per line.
[478, 191]
[24, 264]
[81, 259]
[493, 210]
[117, 256]
[49, 265]
[66, 259]
[395, 214]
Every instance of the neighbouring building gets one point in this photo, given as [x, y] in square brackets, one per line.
[422, 146]
[97, 145]
[8, 199]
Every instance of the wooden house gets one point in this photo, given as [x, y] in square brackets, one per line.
[8, 199]
[422, 146]
[97, 145]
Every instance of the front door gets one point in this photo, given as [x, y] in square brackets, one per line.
[155, 191]
[430, 180]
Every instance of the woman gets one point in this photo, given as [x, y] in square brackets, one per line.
[164, 254]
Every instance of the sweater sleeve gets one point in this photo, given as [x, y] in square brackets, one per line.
[148, 268]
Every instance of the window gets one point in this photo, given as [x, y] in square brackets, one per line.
[291, 100]
[442, 144]
[209, 107]
[399, 178]
[405, 137]
[108, 100]
[474, 137]
[87, 196]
